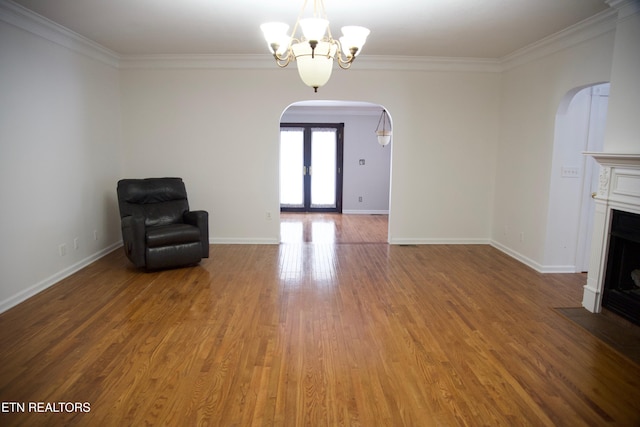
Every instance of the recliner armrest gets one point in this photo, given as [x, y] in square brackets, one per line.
[200, 219]
[133, 236]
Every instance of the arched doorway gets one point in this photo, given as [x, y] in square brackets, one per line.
[580, 123]
[366, 165]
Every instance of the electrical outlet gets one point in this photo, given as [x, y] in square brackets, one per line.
[360, 199]
[76, 244]
[268, 216]
[522, 236]
[95, 234]
[62, 249]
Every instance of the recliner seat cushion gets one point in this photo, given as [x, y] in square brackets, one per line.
[172, 234]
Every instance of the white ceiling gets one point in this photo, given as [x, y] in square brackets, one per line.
[447, 28]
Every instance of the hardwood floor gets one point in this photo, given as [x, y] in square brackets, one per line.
[333, 228]
[322, 333]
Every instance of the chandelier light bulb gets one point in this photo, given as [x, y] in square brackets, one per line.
[314, 28]
[354, 38]
[275, 33]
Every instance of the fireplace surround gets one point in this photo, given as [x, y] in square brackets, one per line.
[618, 196]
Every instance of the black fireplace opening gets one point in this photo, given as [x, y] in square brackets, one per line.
[621, 293]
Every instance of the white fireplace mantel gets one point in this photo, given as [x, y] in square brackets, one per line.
[619, 189]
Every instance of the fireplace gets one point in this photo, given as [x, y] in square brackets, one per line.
[614, 267]
[621, 292]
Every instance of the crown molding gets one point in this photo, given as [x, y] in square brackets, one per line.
[231, 62]
[597, 25]
[427, 63]
[372, 111]
[594, 26]
[402, 63]
[25, 19]
[625, 8]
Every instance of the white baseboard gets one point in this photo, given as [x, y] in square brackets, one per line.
[559, 269]
[540, 268]
[514, 254]
[365, 212]
[243, 241]
[55, 278]
[437, 241]
[591, 298]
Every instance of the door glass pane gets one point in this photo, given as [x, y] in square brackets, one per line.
[323, 167]
[291, 164]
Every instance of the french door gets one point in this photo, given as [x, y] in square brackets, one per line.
[311, 167]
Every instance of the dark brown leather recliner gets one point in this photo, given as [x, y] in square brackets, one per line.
[158, 230]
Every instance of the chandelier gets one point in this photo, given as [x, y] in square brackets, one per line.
[316, 49]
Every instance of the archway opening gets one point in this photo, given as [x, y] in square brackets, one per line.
[580, 124]
[365, 165]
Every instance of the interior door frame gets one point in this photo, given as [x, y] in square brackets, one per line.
[307, 162]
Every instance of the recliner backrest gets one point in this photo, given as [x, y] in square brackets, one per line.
[160, 201]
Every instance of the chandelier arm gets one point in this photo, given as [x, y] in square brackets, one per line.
[329, 37]
[344, 63]
[282, 62]
[280, 58]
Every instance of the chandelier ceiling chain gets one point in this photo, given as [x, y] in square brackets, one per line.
[316, 49]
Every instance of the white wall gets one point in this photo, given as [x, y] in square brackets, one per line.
[443, 164]
[531, 94]
[60, 155]
[623, 127]
[219, 130]
[370, 181]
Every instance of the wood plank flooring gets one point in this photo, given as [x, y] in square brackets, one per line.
[315, 334]
[333, 228]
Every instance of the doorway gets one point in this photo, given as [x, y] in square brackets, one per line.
[311, 157]
[366, 165]
[580, 124]
[595, 142]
